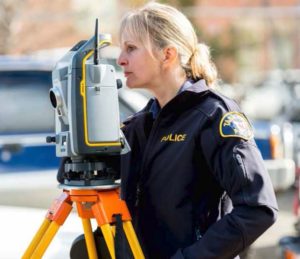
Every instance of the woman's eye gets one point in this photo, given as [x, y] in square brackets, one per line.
[130, 48]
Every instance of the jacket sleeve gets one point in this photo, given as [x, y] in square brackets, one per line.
[238, 167]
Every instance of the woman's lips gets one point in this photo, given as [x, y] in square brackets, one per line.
[126, 74]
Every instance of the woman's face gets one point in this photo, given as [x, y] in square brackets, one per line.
[141, 69]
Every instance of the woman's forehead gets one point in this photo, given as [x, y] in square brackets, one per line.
[129, 38]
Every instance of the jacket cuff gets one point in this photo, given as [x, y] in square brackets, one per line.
[178, 255]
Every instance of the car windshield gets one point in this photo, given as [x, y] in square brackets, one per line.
[24, 98]
[26, 108]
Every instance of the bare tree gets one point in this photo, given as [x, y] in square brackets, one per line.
[8, 12]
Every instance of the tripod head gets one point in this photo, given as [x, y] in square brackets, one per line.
[87, 125]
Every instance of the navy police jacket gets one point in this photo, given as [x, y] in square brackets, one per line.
[194, 181]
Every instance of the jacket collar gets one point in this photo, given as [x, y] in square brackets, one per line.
[189, 86]
[184, 99]
[198, 87]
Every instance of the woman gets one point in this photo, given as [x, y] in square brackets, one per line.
[194, 181]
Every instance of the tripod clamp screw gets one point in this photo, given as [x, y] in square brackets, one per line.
[51, 139]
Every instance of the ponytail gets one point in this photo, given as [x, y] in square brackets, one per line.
[200, 65]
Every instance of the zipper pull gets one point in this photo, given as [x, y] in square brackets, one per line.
[137, 196]
[198, 234]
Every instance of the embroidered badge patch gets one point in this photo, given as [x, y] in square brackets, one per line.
[235, 124]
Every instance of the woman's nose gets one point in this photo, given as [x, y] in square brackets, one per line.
[122, 60]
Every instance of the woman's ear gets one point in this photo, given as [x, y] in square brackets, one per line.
[170, 55]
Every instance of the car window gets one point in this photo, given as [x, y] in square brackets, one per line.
[24, 98]
[26, 108]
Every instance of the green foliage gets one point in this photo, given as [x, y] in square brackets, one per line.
[179, 3]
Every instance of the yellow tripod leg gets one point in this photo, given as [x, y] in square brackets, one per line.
[132, 240]
[89, 239]
[109, 239]
[36, 239]
[46, 240]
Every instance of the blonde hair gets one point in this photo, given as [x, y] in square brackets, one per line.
[158, 26]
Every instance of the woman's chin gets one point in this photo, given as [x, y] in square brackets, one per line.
[132, 85]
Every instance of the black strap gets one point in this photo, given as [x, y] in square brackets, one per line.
[122, 248]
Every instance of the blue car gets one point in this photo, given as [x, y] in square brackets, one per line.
[273, 131]
[275, 142]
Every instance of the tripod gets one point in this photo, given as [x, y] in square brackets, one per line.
[99, 202]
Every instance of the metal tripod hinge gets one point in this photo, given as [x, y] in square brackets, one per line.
[103, 205]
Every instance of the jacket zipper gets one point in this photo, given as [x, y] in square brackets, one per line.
[147, 148]
[241, 167]
[198, 233]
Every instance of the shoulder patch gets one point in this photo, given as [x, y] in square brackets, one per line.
[235, 124]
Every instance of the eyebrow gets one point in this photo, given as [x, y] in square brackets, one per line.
[128, 42]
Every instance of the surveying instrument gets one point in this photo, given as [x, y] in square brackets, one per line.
[87, 133]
